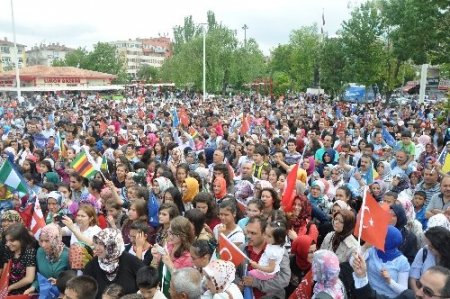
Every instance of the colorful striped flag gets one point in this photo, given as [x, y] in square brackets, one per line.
[12, 178]
[83, 166]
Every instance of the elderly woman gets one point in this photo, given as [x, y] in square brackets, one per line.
[52, 257]
[111, 263]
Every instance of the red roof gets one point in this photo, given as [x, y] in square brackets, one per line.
[43, 71]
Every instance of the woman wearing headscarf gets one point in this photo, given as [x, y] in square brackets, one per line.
[325, 270]
[52, 257]
[320, 203]
[384, 171]
[309, 164]
[302, 249]
[429, 152]
[388, 270]
[437, 220]
[220, 189]
[219, 276]
[189, 190]
[400, 182]
[340, 240]
[336, 180]
[412, 224]
[176, 158]
[111, 263]
[377, 189]
[299, 220]
[160, 185]
[409, 245]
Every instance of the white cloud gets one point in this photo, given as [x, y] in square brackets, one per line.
[84, 22]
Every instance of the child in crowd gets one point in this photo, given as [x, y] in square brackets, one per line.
[269, 263]
[147, 280]
[116, 216]
[419, 207]
[254, 208]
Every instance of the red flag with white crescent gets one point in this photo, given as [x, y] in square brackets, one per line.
[228, 251]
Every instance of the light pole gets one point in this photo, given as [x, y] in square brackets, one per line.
[204, 60]
[19, 93]
[245, 27]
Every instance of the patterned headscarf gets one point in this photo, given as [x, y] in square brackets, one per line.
[112, 240]
[52, 233]
[438, 220]
[12, 216]
[221, 273]
[163, 183]
[325, 267]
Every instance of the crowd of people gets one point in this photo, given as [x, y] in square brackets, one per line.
[174, 174]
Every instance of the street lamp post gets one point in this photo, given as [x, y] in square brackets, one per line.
[245, 27]
[19, 93]
[204, 60]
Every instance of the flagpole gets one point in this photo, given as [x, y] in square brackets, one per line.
[361, 221]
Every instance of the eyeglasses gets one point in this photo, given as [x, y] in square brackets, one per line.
[426, 290]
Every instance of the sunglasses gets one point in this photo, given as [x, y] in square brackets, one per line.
[426, 290]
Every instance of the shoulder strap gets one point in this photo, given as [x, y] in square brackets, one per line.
[229, 294]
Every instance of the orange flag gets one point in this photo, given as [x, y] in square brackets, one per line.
[291, 180]
[103, 128]
[375, 222]
[228, 251]
[184, 118]
[245, 126]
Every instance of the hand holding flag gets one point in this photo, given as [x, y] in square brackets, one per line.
[372, 222]
[228, 251]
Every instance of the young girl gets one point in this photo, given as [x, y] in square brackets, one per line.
[115, 215]
[137, 212]
[228, 226]
[204, 201]
[167, 212]
[269, 263]
[255, 207]
[22, 254]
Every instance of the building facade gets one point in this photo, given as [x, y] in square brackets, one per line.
[7, 57]
[40, 77]
[46, 54]
[139, 52]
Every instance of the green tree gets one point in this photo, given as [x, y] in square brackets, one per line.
[227, 62]
[332, 64]
[76, 58]
[148, 73]
[104, 58]
[364, 45]
[281, 83]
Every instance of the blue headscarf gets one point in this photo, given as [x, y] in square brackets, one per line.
[393, 240]
[402, 220]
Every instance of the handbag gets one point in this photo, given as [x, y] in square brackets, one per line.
[79, 255]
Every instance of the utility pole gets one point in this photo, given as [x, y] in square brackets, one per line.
[16, 57]
[245, 27]
[204, 60]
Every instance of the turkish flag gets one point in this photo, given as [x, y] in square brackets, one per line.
[375, 222]
[228, 251]
[4, 281]
[305, 287]
[287, 201]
